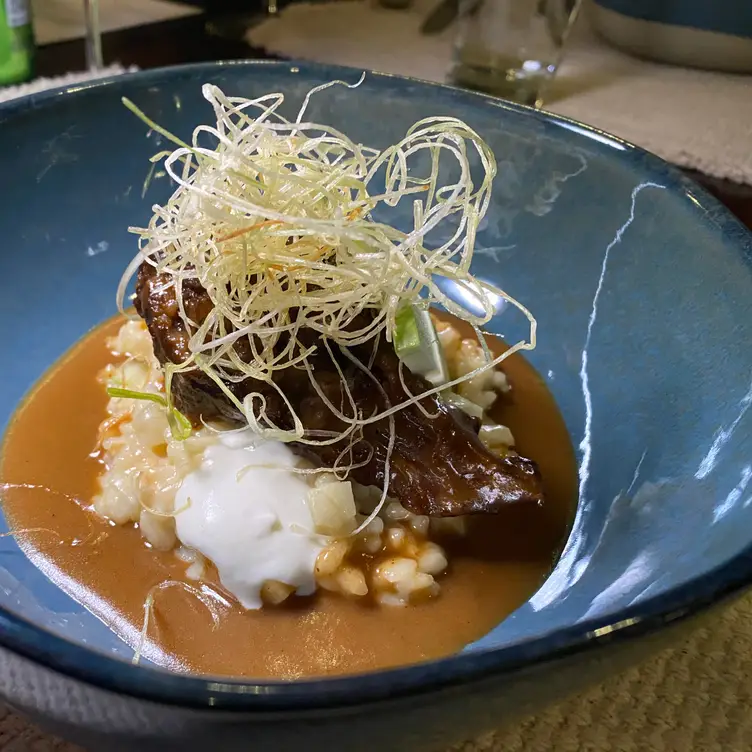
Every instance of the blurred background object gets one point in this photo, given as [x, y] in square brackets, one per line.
[57, 21]
[396, 4]
[711, 34]
[94, 61]
[16, 42]
[511, 48]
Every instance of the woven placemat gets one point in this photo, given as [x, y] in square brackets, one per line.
[69, 79]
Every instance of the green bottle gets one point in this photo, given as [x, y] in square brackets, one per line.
[16, 42]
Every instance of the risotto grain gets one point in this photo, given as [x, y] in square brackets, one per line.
[393, 558]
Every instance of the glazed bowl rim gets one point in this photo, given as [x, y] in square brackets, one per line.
[113, 674]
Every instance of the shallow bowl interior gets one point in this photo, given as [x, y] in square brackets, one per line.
[641, 284]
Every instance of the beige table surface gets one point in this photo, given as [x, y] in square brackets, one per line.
[59, 20]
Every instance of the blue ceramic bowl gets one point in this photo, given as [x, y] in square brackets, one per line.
[642, 285]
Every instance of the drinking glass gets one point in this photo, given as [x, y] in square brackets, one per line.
[511, 48]
[94, 60]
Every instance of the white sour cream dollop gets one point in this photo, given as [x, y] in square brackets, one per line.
[253, 521]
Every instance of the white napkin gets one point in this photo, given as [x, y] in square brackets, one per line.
[692, 118]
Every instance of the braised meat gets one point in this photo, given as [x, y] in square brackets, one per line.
[438, 466]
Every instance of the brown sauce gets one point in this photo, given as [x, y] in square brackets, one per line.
[493, 571]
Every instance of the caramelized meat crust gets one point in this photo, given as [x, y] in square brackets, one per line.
[438, 465]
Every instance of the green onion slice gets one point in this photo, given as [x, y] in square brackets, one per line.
[180, 426]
